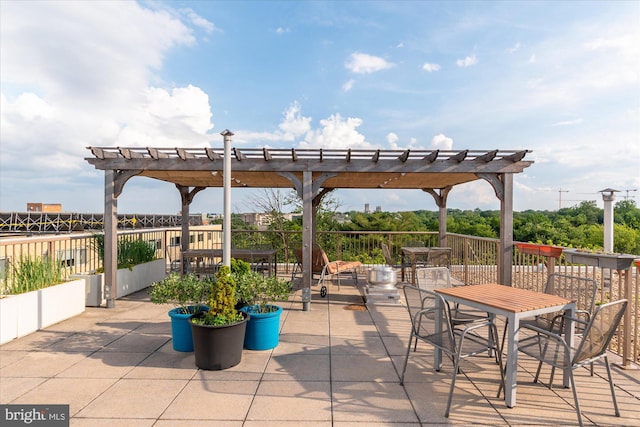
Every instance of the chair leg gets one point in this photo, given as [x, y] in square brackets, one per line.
[456, 367]
[572, 382]
[406, 358]
[613, 392]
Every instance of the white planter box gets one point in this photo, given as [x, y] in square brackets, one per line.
[128, 281]
[25, 313]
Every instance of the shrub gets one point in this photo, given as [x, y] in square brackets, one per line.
[187, 292]
[222, 301]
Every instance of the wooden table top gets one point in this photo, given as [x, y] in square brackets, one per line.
[423, 250]
[505, 298]
[236, 251]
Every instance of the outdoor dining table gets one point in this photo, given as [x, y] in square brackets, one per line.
[421, 253]
[205, 260]
[514, 304]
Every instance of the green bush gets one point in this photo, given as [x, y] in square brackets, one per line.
[188, 293]
[260, 291]
[222, 301]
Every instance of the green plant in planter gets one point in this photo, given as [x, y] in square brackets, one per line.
[260, 291]
[131, 251]
[222, 301]
[188, 293]
[30, 274]
[239, 267]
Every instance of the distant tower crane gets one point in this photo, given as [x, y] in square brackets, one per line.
[628, 191]
[560, 191]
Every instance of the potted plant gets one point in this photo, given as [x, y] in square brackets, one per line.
[600, 259]
[187, 294]
[260, 292]
[539, 249]
[218, 334]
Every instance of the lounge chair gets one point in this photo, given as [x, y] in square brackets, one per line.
[320, 265]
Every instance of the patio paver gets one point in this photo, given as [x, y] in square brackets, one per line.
[337, 365]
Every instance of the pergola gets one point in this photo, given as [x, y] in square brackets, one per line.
[312, 173]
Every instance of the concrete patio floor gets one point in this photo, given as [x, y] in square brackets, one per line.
[336, 365]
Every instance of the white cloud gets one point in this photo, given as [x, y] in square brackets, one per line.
[282, 30]
[76, 74]
[336, 132]
[347, 86]
[467, 61]
[294, 124]
[568, 122]
[361, 63]
[514, 48]
[169, 119]
[392, 138]
[532, 58]
[430, 67]
[441, 142]
[200, 22]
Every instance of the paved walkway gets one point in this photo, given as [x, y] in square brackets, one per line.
[337, 365]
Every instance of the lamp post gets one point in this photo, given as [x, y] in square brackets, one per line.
[608, 196]
[226, 220]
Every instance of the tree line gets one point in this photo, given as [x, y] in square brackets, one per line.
[580, 226]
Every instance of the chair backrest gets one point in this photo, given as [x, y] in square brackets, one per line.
[433, 277]
[579, 289]
[439, 257]
[599, 332]
[387, 254]
[423, 311]
[297, 251]
[318, 258]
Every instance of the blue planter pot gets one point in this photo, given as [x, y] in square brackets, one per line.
[181, 329]
[263, 329]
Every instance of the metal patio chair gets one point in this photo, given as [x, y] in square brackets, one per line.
[457, 342]
[551, 348]
[431, 278]
[390, 261]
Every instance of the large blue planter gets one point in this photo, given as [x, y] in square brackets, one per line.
[181, 329]
[263, 329]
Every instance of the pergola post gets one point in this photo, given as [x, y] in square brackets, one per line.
[186, 197]
[441, 202]
[184, 228]
[307, 238]
[505, 252]
[110, 238]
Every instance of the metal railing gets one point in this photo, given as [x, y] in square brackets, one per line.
[473, 260]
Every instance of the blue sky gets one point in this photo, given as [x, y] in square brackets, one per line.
[558, 78]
